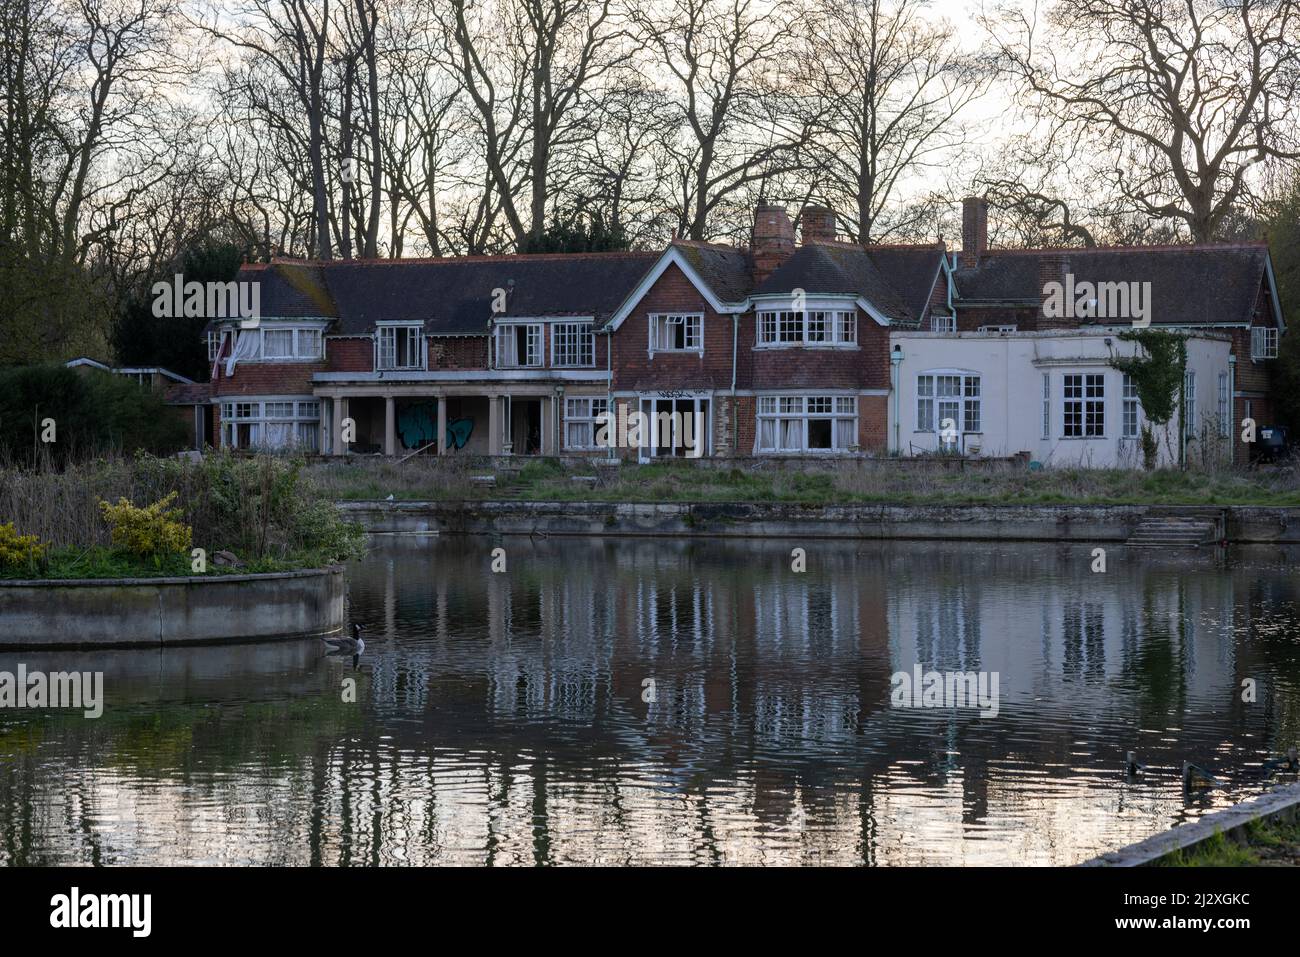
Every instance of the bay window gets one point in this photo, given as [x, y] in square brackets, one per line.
[279, 423]
[1084, 406]
[814, 423]
[811, 327]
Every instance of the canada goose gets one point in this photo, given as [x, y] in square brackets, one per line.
[1197, 777]
[356, 644]
[1132, 766]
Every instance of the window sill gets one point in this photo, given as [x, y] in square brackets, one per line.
[812, 346]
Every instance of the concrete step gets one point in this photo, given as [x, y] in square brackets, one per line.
[1173, 531]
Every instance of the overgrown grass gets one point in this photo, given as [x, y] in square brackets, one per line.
[1267, 842]
[260, 509]
[813, 483]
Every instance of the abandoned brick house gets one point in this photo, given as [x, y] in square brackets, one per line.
[819, 348]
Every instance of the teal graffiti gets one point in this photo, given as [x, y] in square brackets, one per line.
[418, 424]
[458, 433]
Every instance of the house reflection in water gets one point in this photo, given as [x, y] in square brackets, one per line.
[504, 717]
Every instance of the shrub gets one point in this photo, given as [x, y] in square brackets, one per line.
[18, 550]
[153, 531]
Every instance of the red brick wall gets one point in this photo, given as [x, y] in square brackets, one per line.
[801, 367]
[267, 378]
[634, 369]
[459, 352]
[873, 423]
[350, 355]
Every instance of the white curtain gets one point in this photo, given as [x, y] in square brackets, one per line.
[246, 347]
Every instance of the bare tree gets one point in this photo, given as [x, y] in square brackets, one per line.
[529, 68]
[889, 87]
[723, 57]
[1177, 99]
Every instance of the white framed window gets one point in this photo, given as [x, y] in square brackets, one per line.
[1128, 422]
[1263, 343]
[1083, 406]
[399, 347]
[672, 332]
[518, 345]
[288, 344]
[998, 328]
[215, 341]
[280, 423]
[1047, 405]
[948, 395]
[583, 418]
[308, 344]
[1189, 392]
[813, 423]
[573, 344]
[1224, 416]
[941, 323]
[812, 328]
[277, 343]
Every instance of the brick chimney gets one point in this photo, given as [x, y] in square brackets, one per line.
[773, 240]
[1053, 265]
[974, 230]
[817, 224]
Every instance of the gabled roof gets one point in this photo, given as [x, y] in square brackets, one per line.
[721, 274]
[1190, 285]
[451, 297]
[897, 280]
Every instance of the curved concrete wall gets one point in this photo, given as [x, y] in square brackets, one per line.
[170, 611]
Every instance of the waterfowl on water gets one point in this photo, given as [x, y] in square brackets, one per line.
[356, 644]
[1290, 763]
[1132, 766]
[1197, 777]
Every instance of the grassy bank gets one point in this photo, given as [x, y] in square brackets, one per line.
[424, 479]
[261, 510]
[1268, 843]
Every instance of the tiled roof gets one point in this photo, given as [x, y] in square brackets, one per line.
[452, 297]
[188, 393]
[1189, 284]
[848, 270]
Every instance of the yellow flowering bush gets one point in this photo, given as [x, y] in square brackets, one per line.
[18, 549]
[153, 530]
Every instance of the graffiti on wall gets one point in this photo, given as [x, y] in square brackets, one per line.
[417, 426]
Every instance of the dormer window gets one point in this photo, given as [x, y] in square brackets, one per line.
[573, 345]
[399, 346]
[518, 345]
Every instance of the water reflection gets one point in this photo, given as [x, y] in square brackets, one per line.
[502, 718]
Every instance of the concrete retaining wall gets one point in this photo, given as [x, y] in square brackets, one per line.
[1078, 523]
[170, 611]
[1282, 804]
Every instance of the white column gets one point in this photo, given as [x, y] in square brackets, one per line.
[390, 426]
[442, 425]
[494, 425]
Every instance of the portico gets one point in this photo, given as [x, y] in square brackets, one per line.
[437, 413]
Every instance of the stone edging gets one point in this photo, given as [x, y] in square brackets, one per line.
[159, 612]
[1282, 803]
